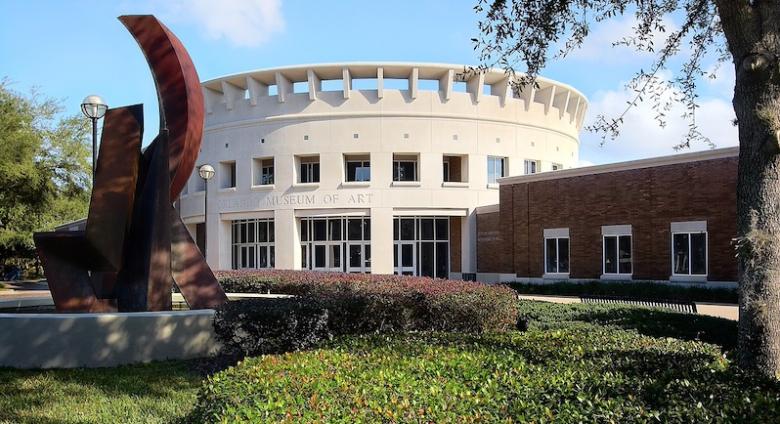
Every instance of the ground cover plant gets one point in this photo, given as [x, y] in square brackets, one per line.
[154, 393]
[573, 374]
[633, 290]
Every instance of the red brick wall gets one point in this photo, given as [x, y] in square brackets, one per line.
[648, 199]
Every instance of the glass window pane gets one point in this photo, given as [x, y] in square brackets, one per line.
[699, 254]
[363, 173]
[335, 256]
[315, 172]
[319, 256]
[551, 255]
[367, 229]
[273, 257]
[610, 255]
[426, 229]
[354, 229]
[680, 253]
[354, 255]
[304, 257]
[320, 229]
[563, 255]
[367, 256]
[263, 257]
[407, 255]
[335, 229]
[407, 229]
[263, 231]
[352, 170]
[442, 260]
[396, 223]
[250, 231]
[427, 259]
[304, 230]
[442, 229]
[395, 256]
[624, 255]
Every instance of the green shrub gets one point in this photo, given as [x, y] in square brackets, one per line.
[260, 326]
[572, 375]
[647, 321]
[361, 303]
[635, 290]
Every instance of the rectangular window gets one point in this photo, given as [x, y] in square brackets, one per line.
[404, 168]
[496, 168]
[689, 248]
[228, 177]
[309, 169]
[263, 171]
[556, 251]
[253, 243]
[336, 244]
[531, 166]
[446, 171]
[421, 246]
[617, 254]
[357, 168]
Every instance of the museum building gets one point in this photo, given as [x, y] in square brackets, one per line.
[368, 167]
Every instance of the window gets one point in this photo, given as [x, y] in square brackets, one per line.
[616, 248]
[556, 251]
[455, 168]
[531, 166]
[689, 248]
[405, 168]
[357, 168]
[308, 169]
[253, 243]
[496, 168]
[228, 177]
[336, 244]
[421, 246]
[263, 171]
[557, 167]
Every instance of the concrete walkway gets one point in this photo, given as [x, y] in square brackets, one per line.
[720, 310]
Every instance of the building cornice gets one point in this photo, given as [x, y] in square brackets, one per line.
[624, 166]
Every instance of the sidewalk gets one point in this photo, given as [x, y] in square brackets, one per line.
[719, 310]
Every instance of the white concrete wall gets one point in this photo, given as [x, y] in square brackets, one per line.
[243, 123]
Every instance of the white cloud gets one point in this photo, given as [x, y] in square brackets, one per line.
[642, 137]
[245, 23]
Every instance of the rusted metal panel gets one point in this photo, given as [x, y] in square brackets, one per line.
[191, 274]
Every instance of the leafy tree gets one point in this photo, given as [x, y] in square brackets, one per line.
[44, 169]
[747, 32]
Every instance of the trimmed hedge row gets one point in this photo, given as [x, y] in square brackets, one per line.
[329, 304]
[639, 290]
[569, 375]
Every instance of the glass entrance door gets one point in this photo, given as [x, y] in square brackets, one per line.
[405, 258]
[358, 257]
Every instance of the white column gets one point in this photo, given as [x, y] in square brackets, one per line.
[287, 240]
[225, 239]
[381, 240]
[468, 242]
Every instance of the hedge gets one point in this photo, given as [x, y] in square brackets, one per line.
[636, 290]
[566, 375]
[354, 304]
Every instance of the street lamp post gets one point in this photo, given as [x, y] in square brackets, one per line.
[206, 172]
[94, 108]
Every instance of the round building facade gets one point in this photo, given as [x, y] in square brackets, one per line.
[367, 167]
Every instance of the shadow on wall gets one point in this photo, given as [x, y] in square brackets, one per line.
[104, 340]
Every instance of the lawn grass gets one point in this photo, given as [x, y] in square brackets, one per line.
[587, 362]
[153, 393]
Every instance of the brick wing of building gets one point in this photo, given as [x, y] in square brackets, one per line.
[671, 218]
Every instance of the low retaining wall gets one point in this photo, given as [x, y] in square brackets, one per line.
[104, 340]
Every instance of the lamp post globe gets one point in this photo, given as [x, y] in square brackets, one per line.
[206, 172]
[94, 108]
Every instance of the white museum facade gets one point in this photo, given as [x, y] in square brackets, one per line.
[367, 167]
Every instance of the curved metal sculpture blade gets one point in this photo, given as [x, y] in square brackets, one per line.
[178, 92]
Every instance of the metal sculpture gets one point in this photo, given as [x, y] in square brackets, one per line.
[134, 246]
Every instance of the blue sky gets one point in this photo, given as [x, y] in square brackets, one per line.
[70, 49]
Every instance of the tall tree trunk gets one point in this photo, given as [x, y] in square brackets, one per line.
[753, 34]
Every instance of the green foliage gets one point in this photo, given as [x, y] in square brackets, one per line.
[647, 321]
[44, 169]
[153, 393]
[567, 375]
[635, 290]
